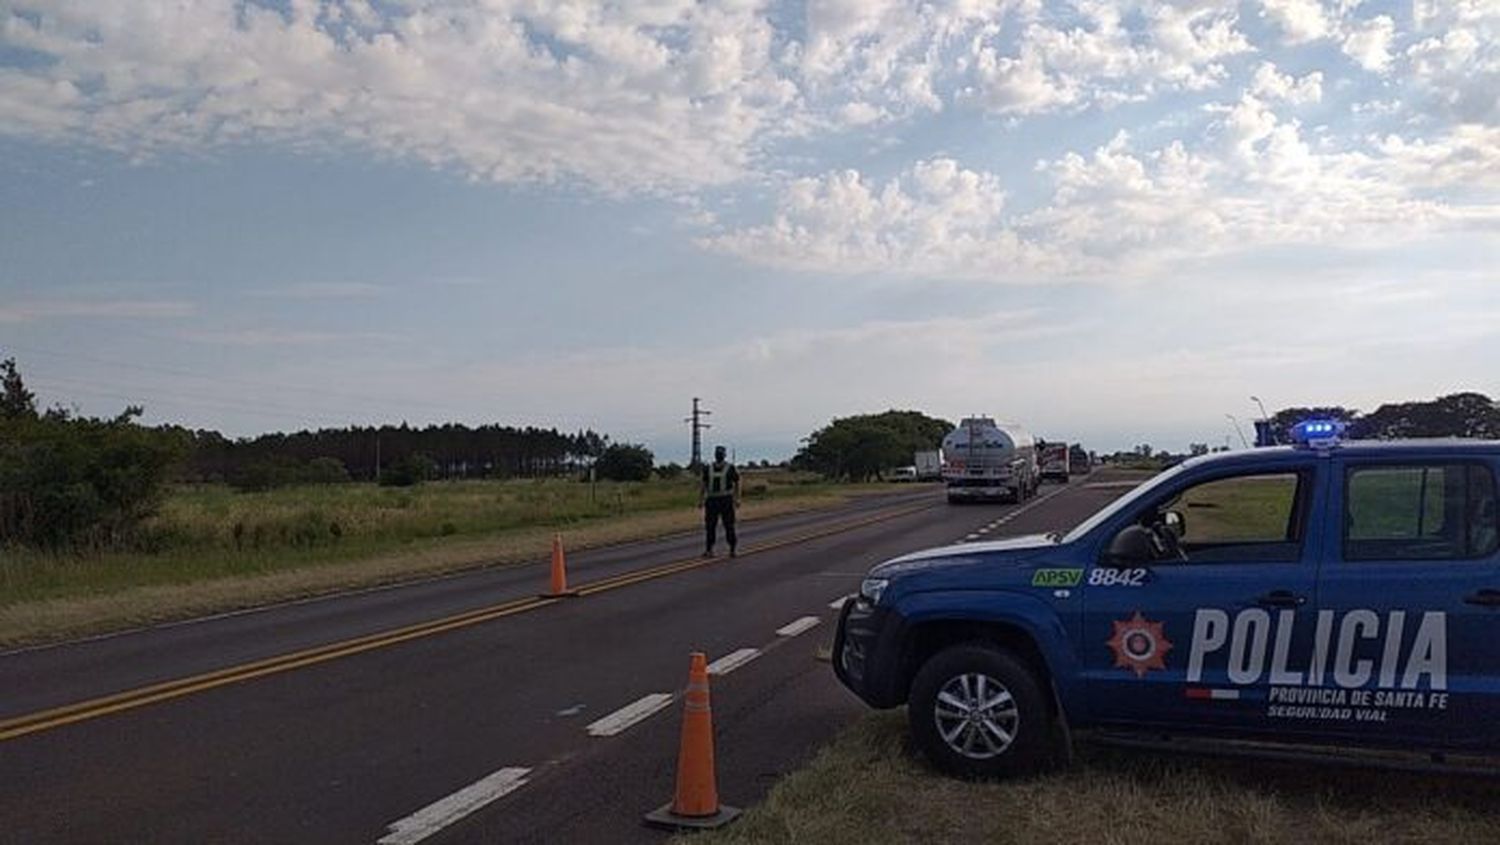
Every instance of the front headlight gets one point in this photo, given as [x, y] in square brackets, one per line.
[871, 589]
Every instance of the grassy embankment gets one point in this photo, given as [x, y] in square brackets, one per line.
[867, 787]
[213, 549]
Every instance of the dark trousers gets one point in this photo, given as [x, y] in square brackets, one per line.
[716, 508]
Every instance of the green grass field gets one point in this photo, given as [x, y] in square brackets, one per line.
[212, 549]
[208, 531]
[866, 786]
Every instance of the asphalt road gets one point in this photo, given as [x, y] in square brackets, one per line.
[360, 729]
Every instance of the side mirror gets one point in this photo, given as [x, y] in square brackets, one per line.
[1175, 522]
[1133, 546]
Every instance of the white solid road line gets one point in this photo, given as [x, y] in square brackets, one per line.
[628, 715]
[792, 629]
[439, 814]
[732, 661]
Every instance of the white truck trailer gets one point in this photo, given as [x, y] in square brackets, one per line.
[983, 459]
[929, 465]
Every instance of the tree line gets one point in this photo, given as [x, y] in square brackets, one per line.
[398, 454]
[68, 480]
[1467, 414]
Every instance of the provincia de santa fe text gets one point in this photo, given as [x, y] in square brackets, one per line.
[1253, 648]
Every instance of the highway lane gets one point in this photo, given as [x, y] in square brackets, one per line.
[37, 678]
[337, 751]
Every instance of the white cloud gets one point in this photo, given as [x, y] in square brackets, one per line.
[1467, 157]
[1454, 69]
[1252, 179]
[1369, 43]
[934, 219]
[27, 311]
[887, 56]
[620, 96]
[1270, 84]
[1300, 21]
[1100, 59]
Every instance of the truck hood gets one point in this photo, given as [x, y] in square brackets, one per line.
[1014, 549]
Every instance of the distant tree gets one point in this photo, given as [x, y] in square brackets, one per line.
[862, 447]
[1196, 449]
[625, 462]
[16, 402]
[1455, 415]
[669, 471]
[1467, 414]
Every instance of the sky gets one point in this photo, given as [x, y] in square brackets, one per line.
[1110, 223]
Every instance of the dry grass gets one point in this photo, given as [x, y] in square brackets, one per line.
[49, 619]
[868, 787]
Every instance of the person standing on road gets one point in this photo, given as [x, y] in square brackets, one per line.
[718, 496]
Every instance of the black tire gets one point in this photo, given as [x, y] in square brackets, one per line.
[1018, 708]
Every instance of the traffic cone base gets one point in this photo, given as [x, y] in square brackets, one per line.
[665, 818]
[695, 804]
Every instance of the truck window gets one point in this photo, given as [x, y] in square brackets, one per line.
[1242, 518]
[1420, 512]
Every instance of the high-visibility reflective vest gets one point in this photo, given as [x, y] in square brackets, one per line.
[718, 479]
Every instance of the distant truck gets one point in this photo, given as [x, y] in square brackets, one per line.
[983, 459]
[1053, 458]
[1079, 462]
[929, 465]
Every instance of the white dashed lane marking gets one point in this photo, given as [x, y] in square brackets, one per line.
[838, 603]
[792, 629]
[1010, 516]
[732, 661]
[439, 814]
[630, 714]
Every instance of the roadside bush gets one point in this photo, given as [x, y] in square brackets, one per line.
[78, 481]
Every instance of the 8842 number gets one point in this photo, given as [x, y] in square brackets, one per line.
[1104, 576]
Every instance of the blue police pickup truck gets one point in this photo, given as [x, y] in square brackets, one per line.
[1330, 593]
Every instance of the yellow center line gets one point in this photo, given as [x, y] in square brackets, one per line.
[94, 708]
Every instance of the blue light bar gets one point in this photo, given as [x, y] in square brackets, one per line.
[1318, 434]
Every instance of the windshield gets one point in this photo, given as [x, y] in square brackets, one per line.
[1127, 501]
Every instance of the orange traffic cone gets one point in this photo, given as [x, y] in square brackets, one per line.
[559, 572]
[696, 804]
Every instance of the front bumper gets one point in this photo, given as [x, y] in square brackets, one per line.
[867, 653]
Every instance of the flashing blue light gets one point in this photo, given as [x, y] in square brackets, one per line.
[1318, 434]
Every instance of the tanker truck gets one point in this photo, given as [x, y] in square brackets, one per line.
[983, 459]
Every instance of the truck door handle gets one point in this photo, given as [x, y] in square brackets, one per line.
[1484, 598]
[1281, 598]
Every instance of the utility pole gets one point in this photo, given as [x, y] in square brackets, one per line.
[696, 420]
